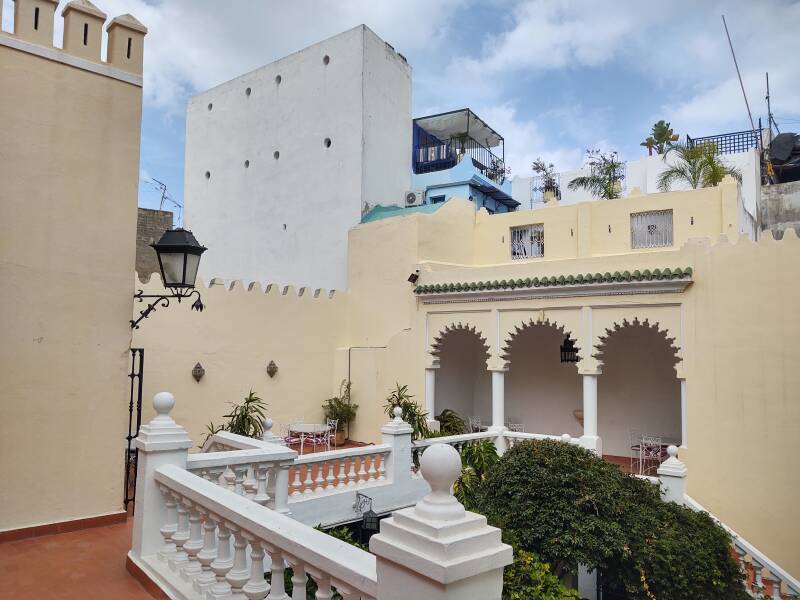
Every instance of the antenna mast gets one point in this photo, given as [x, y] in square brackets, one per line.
[736, 64]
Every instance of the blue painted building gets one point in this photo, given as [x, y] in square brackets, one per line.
[456, 154]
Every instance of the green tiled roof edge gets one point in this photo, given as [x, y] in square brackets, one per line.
[535, 282]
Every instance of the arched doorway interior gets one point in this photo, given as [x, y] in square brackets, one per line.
[462, 382]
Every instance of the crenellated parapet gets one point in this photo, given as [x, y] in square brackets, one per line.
[83, 33]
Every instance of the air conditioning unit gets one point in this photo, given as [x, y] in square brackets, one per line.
[414, 198]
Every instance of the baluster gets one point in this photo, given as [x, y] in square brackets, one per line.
[239, 471]
[330, 479]
[180, 537]
[319, 480]
[261, 497]
[362, 472]
[757, 567]
[215, 473]
[351, 474]
[230, 479]
[256, 588]
[206, 579]
[372, 471]
[324, 591]
[239, 573]
[250, 482]
[168, 550]
[341, 477]
[308, 483]
[278, 589]
[296, 485]
[223, 561]
[776, 586]
[299, 578]
[193, 545]
[382, 467]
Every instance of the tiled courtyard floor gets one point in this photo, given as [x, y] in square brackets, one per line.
[86, 564]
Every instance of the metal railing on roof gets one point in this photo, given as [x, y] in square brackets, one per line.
[729, 143]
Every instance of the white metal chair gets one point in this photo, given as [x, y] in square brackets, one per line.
[330, 434]
[516, 427]
[475, 424]
[650, 454]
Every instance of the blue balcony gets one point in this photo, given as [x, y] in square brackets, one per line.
[458, 154]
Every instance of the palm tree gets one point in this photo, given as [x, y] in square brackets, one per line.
[698, 166]
[660, 139]
[604, 180]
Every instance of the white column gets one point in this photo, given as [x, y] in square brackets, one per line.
[498, 399]
[436, 550]
[430, 392]
[590, 439]
[684, 416]
[397, 434]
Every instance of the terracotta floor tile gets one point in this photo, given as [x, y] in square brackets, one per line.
[80, 564]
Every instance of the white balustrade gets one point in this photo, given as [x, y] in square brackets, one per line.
[356, 468]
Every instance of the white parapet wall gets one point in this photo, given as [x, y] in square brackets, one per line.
[281, 161]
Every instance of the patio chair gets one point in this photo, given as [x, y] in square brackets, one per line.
[330, 434]
[650, 454]
[516, 427]
[474, 424]
[286, 432]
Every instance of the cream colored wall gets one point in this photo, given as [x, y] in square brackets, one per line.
[240, 331]
[69, 166]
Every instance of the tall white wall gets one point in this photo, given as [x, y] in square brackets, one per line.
[285, 219]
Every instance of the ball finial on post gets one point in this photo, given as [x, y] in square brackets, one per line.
[163, 403]
[398, 414]
[441, 466]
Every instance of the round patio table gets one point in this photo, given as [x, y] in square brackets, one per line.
[305, 429]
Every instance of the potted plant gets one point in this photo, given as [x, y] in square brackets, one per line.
[549, 180]
[342, 410]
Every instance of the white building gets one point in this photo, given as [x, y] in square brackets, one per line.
[282, 161]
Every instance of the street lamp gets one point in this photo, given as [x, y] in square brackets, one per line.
[178, 259]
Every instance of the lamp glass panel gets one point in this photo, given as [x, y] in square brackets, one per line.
[192, 262]
[172, 263]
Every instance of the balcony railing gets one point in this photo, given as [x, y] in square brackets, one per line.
[435, 155]
[729, 143]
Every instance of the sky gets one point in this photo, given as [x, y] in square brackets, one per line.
[554, 77]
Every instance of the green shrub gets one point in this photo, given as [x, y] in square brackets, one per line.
[568, 506]
[340, 407]
[528, 578]
[413, 414]
[450, 423]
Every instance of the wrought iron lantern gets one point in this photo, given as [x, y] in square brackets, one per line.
[370, 521]
[197, 372]
[178, 255]
[569, 353]
[272, 369]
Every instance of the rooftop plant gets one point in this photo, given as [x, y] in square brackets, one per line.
[697, 166]
[341, 407]
[660, 139]
[606, 173]
[547, 173]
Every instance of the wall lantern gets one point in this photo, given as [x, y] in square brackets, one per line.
[413, 277]
[369, 518]
[178, 259]
[198, 372]
[569, 353]
[272, 369]
[370, 521]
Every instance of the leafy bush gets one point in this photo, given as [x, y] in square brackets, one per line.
[244, 419]
[528, 578]
[568, 506]
[412, 412]
[450, 423]
[341, 407]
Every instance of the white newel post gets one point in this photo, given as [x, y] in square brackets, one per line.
[672, 475]
[590, 439]
[160, 442]
[498, 399]
[397, 433]
[436, 550]
[268, 435]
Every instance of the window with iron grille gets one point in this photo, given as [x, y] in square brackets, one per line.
[527, 241]
[651, 229]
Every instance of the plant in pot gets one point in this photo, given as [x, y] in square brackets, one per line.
[341, 409]
[413, 413]
[546, 173]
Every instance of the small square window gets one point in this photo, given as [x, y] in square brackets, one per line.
[527, 241]
[651, 229]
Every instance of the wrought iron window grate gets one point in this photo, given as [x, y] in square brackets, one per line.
[651, 229]
[527, 241]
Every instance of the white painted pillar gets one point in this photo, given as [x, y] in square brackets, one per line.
[498, 399]
[684, 416]
[430, 392]
[397, 433]
[590, 439]
[672, 475]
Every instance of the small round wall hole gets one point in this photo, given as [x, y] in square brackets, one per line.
[208, 174]
[247, 164]
[327, 142]
[326, 59]
[210, 106]
[278, 79]
[276, 155]
[247, 92]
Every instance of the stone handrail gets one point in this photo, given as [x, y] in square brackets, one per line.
[758, 560]
[221, 514]
[453, 440]
[512, 437]
[338, 470]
